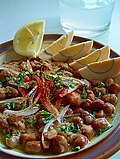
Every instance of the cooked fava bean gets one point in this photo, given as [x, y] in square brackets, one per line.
[3, 75]
[94, 82]
[61, 133]
[111, 98]
[87, 119]
[78, 110]
[100, 114]
[11, 92]
[108, 82]
[99, 91]
[12, 142]
[84, 114]
[99, 123]
[4, 125]
[114, 88]
[75, 119]
[8, 92]
[27, 137]
[34, 147]
[71, 137]
[40, 122]
[2, 95]
[74, 99]
[51, 134]
[97, 104]
[90, 95]
[109, 108]
[81, 141]
[86, 104]
[59, 144]
[87, 130]
[17, 121]
[69, 111]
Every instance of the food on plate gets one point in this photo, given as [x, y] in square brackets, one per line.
[47, 107]
[28, 39]
[62, 42]
[101, 70]
[74, 52]
[97, 55]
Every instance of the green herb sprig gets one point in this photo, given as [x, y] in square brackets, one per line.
[72, 127]
[84, 92]
[46, 116]
[6, 136]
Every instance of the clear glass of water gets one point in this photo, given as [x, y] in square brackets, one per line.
[87, 18]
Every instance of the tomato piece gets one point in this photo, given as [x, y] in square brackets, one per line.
[27, 79]
[61, 92]
[58, 102]
[39, 89]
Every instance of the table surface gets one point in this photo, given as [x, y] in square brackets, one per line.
[15, 13]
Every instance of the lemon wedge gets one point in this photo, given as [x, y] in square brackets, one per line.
[97, 55]
[28, 39]
[101, 70]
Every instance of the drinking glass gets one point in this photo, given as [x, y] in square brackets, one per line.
[87, 18]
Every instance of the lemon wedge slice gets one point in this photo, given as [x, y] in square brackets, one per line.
[28, 39]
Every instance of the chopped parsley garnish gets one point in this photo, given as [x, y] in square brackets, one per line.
[72, 127]
[70, 79]
[101, 131]
[10, 105]
[101, 84]
[20, 78]
[57, 79]
[24, 73]
[98, 93]
[6, 136]
[84, 92]
[30, 120]
[77, 148]
[47, 77]
[35, 105]
[46, 116]
[65, 84]
[21, 106]
[60, 73]
[17, 133]
[92, 114]
[111, 115]
[71, 85]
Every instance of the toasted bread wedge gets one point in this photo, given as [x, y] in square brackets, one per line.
[101, 70]
[56, 46]
[97, 55]
[74, 51]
